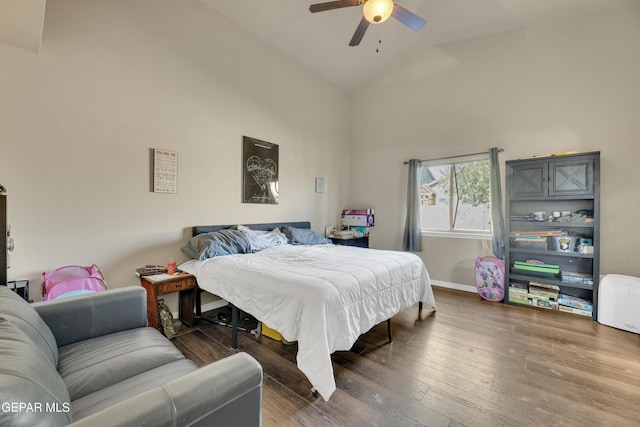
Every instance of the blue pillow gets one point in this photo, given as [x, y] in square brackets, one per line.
[304, 236]
[217, 243]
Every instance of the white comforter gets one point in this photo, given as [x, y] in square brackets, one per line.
[322, 296]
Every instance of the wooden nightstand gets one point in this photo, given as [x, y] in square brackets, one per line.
[160, 285]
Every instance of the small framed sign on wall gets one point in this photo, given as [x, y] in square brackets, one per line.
[165, 171]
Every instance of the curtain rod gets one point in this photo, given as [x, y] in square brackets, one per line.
[500, 150]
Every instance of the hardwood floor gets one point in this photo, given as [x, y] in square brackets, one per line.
[470, 363]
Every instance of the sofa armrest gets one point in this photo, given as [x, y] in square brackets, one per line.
[92, 315]
[225, 393]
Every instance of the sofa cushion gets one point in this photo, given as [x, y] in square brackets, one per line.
[130, 387]
[91, 365]
[20, 313]
[31, 390]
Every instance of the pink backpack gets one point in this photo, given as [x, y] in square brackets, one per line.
[72, 280]
[490, 278]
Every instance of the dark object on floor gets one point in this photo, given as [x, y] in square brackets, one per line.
[222, 316]
[169, 325]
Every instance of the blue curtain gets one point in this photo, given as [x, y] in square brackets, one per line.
[412, 229]
[497, 217]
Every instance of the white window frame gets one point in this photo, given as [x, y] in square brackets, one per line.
[458, 234]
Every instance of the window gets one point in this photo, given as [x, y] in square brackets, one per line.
[455, 196]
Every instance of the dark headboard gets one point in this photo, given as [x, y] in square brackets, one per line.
[201, 229]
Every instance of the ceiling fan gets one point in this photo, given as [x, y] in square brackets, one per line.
[375, 12]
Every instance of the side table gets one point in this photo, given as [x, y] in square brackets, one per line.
[162, 284]
[362, 242]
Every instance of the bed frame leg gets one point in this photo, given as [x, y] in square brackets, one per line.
[234, 326]
[198, 302]
[389, 329]
[419, 308]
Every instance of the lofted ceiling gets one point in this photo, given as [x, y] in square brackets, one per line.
[320, 41]
[21, 23]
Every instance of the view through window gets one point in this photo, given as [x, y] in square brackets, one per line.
[456, 196]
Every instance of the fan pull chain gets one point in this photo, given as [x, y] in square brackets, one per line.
[379, 41]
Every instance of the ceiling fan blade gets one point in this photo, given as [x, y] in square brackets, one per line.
[330, 5]
[407, 18]
[357, 36]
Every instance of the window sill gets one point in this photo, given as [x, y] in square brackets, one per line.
[457, 235]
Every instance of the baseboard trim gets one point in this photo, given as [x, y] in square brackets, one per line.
[213, 305]
[457, 286]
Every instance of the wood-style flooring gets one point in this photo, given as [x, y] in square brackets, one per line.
[470, 363]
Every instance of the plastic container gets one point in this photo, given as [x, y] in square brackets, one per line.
[271, 333]
[564, 243]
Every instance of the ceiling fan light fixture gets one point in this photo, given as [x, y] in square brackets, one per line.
[377, 11]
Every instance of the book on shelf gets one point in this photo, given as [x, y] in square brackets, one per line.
[535, 233]
[521, 217]
[539, 239]
[549, 269]
[519, 285]
[544, 285]
[551, 305]
[541, 297]
[574, 310]
[577, 278]
[518, 291]
[575, 302]
[518, 295]
[543, 292]
[525, 301]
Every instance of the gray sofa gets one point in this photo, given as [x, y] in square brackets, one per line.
[90, 360]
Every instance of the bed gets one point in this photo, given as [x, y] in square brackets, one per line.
[321, 295]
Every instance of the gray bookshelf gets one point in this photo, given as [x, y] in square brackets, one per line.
[568, 184]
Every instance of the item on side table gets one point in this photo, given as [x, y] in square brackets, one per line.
[150, 270]
[343, 234]
[171, 267]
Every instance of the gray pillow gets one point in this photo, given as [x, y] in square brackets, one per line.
[304, 236]
[217, 243]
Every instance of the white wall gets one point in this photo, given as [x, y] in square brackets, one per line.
[556, 87]
[116, 78]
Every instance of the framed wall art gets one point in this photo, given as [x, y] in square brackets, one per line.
[259, 171]
[165, 171]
